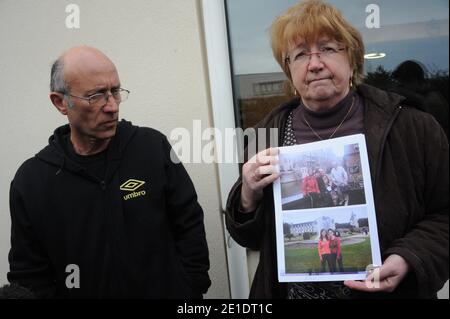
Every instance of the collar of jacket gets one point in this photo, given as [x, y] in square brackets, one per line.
[381, 108]
[54, 153]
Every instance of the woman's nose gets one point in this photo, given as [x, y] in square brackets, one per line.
[315, 63]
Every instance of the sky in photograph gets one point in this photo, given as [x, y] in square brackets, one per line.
[340, 215]
[327, 153]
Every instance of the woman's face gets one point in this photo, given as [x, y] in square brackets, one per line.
[330, 234]
[322, 78]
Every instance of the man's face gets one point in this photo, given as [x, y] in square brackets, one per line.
[85, 77]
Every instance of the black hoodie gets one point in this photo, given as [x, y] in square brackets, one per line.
[139, 232]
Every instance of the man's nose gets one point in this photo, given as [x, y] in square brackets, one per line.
[111, 106]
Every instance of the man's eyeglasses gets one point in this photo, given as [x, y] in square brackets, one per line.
[101, 99]
[303, 56]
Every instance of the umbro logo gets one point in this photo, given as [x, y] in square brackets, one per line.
[132, 185]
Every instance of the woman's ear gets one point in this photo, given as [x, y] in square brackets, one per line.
[289, 88]
[352, 77]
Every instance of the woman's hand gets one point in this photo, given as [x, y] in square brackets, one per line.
[384, 279]
[257, 173]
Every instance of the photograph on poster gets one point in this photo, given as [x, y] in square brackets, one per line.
[325, 217]
[327, 242]
[327, 177]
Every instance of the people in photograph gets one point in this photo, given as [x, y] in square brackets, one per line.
[334, 237]
[322, 55]
[323, 247]
[310, 188]
[340, 179]
[103, 211]
[324, 184]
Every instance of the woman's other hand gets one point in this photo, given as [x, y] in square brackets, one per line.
[385, 279]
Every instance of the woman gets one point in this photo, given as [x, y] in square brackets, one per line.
[310, 188]
[324, 185]
[323, 57]
[323, 246]
[335, 249]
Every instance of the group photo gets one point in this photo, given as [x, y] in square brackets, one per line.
[326, 177]
[327, 243]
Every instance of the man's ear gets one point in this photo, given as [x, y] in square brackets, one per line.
[59, 102]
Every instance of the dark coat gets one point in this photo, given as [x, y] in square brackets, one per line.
[408, 157]
[141, 239]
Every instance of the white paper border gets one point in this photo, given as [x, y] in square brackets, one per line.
[369, 205]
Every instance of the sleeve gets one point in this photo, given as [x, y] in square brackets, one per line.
[319, 248]
[248, 228]
[345, 176]
[316, 186]
[29, 265]
[187, 219]
[303, 187]
[425, 247]
[245, 228]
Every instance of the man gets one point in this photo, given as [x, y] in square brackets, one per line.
[340, 179]
[102, 211]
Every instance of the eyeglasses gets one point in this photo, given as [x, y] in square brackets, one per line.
[303, 56]
[101, 99]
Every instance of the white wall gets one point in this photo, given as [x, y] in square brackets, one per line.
[158, 49]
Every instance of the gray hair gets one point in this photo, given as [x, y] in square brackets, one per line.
[57, 82]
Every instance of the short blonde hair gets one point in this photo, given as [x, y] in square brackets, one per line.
[310, 20]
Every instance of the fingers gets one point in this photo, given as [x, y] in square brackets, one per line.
[265, 174]
[269, 179]
[266, 170]
[262, 164]
[263, 157]
[370, 286]
[259, 172]
[366, 286]
[272, 151]
[356, 285]
[375, 282]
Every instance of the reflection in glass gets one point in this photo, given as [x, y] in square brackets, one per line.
[418, 34]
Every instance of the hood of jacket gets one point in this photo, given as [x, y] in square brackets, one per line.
[55, 154]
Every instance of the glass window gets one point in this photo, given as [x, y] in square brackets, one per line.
[406, 52]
